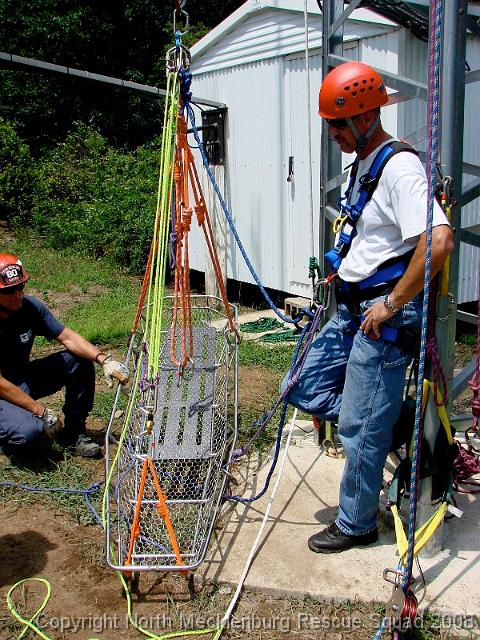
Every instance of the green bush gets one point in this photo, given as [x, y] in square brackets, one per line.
[97, 200]
[17, 176]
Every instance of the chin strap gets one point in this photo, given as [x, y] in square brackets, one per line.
[362, 139]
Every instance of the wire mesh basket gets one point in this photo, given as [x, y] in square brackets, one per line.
[168, 474]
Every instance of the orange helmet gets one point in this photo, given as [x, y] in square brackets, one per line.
[350, 89]
[12, 272]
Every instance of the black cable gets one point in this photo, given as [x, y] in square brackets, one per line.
[415, 20]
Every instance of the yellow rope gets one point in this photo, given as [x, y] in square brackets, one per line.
[156, 290]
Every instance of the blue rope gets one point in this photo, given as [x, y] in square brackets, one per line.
[432, 160]
[381, 629]
[262, 422]
[85, 492]
[295, 369]
[230, 221]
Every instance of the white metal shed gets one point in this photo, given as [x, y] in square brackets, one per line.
[254, 62]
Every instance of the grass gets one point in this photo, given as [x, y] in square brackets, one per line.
[94, 297]
[278, 357]
[103, 306]
[69, 473]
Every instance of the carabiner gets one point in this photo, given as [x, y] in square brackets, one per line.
[177, 58]
[182, 12]
[339, 222]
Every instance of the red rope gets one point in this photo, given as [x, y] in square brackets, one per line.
[465, 465]
[474, 383]
[187, 181]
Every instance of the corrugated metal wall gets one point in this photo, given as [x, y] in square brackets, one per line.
[265, 94]
[412, 118]
[255, 168]
[270, 33]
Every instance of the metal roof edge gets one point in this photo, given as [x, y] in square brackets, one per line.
[252, 7]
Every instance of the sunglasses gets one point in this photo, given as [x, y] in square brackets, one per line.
[337, 123]
[10, 290]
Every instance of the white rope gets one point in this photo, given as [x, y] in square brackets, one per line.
[253, 551]
[309, 137]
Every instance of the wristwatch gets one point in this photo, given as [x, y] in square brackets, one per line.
[389, 305]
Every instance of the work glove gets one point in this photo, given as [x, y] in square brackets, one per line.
[113, 369]
[51, 424]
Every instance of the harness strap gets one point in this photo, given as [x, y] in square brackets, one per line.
[350, 213]
[404, 338]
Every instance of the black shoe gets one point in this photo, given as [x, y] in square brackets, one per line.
[87, 448]
[333, 540]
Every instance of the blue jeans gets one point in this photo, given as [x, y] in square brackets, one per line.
[18, 427]
[359, 381]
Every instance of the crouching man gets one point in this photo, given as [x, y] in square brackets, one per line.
[26, 423]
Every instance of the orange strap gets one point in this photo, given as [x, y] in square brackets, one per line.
[162, 510]
[185, 177]
[144, 289]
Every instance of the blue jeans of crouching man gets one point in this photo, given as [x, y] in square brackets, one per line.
[358, 381]
[19, 428]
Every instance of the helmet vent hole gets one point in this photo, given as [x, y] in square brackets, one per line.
[347, 88]
[361, 105]
[355, 84]
[364, 81]
[354, 93]
[362, 89]
[370, 88]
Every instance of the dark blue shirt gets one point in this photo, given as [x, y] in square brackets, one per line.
[18, 332]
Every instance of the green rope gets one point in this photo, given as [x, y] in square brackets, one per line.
[288, 335]
[262, 324]
[156, 289]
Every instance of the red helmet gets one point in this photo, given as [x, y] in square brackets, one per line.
[350, 89]
[12, 271]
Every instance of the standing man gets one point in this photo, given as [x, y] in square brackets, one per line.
[26, 423]
[355, 370]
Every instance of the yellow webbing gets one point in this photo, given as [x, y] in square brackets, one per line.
[422, 535]
[426, 531]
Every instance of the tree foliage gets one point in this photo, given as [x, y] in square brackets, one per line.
[97, 200]
[121, 38]
[18, 177]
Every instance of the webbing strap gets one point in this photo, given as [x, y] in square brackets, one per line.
[345, 224]
[426, 531]
[187, 181]
[161, 508]
[428, 387]
[422, 535]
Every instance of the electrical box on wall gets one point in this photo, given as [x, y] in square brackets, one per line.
[213, 135]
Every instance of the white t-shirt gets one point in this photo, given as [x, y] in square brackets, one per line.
[392, 219]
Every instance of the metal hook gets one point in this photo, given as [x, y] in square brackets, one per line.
[396, 580]
[177, 57]
[186, 19]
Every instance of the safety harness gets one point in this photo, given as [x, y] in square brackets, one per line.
[346, 222]
[390, 272]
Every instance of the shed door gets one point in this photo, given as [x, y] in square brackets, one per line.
[296, 167]
[296, 158]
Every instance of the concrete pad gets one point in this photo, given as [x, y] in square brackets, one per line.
[307, 501]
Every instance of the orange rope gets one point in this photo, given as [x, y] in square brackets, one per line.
[185, 176]
[162, 510]
[144, 289]
[135, 530]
